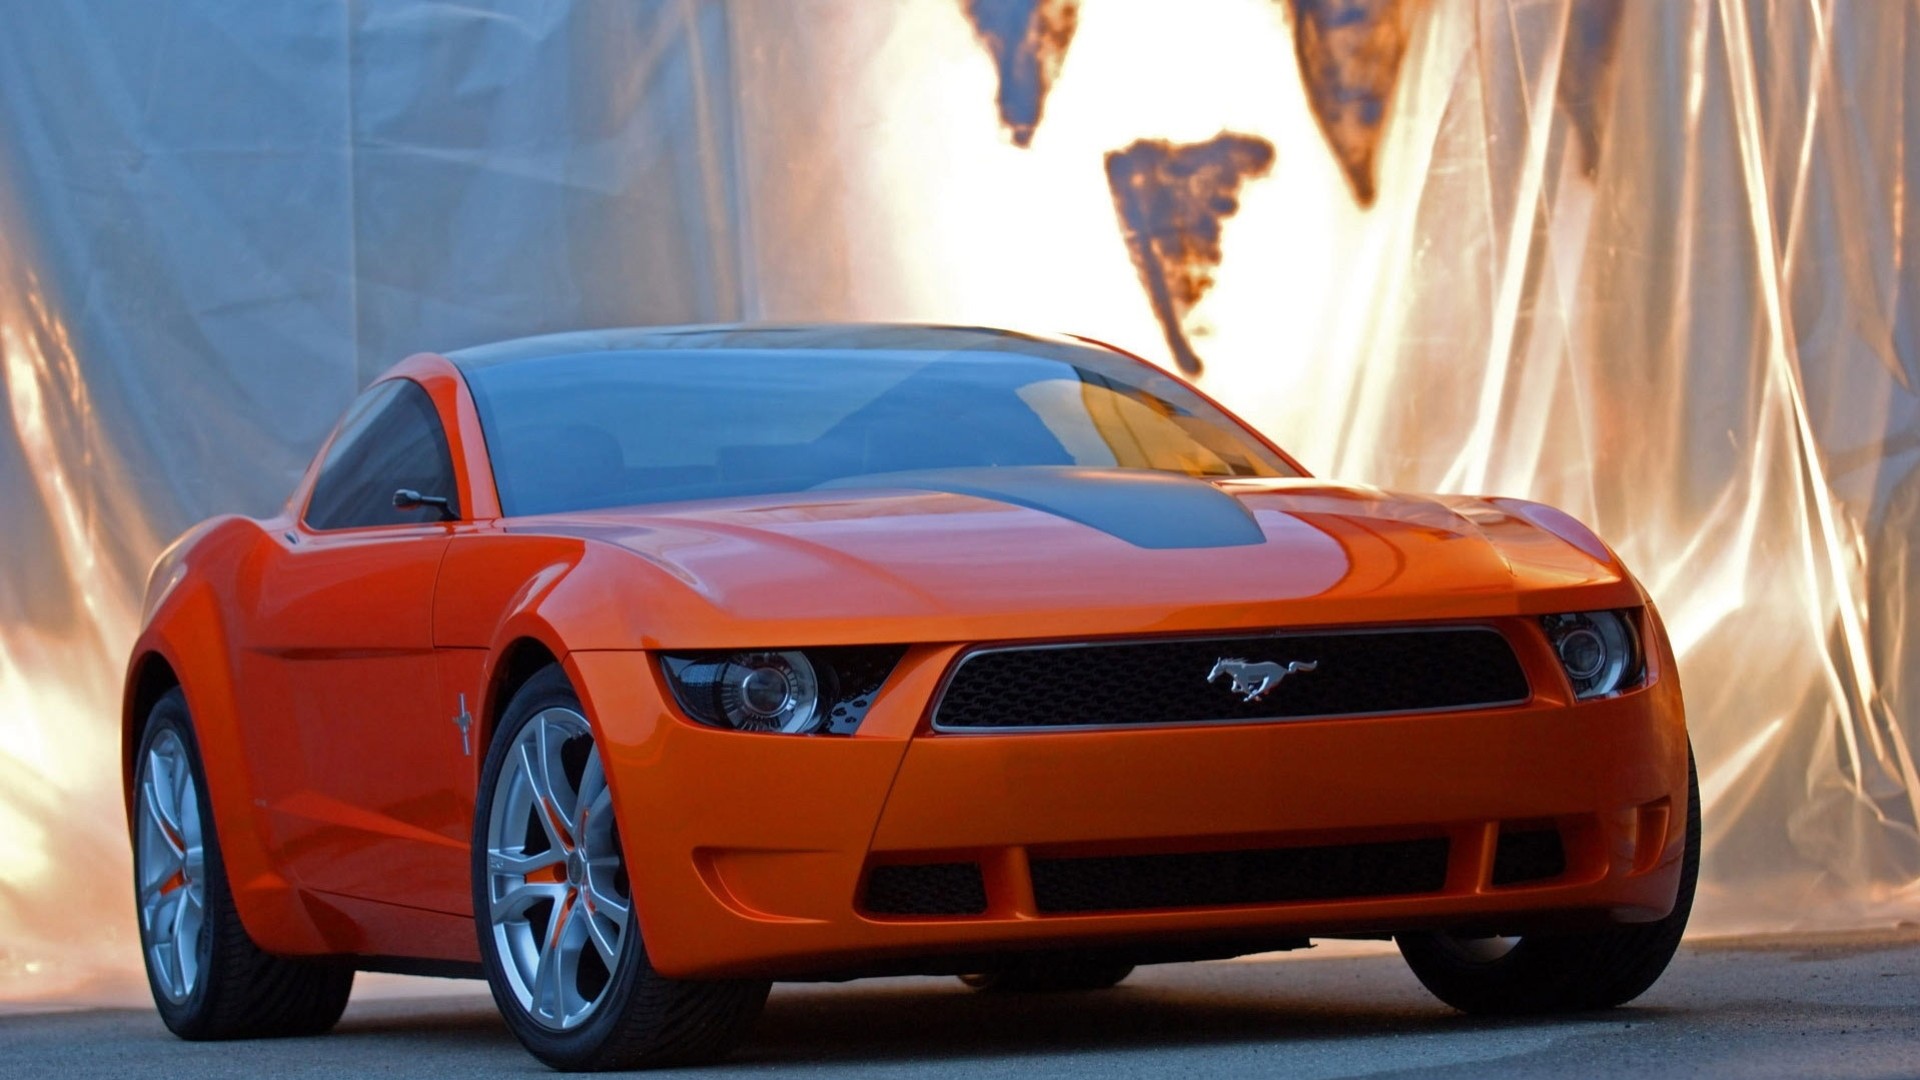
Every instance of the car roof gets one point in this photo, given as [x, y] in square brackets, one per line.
[838, 336]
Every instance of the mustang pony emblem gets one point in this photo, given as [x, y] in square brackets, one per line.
[1252, 681]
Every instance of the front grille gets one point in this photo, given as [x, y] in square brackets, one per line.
[1223, 878]
[1166, 681]
[1528, 855]
[926, 889]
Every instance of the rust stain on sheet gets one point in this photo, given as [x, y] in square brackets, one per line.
[1586, 87]
[1172, 200]
[1028, 41]
[1349, 53]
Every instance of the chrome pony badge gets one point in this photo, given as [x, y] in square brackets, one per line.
[1252, 681]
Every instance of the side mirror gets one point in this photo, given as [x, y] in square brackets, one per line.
[409, 499]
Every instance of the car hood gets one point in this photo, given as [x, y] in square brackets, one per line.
[984, 554]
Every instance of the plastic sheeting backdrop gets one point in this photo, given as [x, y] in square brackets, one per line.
[1656, 264]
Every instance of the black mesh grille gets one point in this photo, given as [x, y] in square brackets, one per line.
[926, 889]
[1528, 855]
[1222, 878]
[1165, 682]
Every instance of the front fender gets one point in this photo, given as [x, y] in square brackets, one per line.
[499, 591]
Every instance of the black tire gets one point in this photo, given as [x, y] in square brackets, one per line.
[643, 1019]
[1050, 975]
[1566, 973]
[239, 992]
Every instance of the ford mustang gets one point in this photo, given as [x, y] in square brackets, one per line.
[633, 670]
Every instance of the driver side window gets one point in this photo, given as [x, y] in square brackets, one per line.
[390, 439]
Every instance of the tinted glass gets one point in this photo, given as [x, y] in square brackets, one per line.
[390, 439]
[622, 428]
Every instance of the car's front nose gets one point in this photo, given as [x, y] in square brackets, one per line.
[781, 855]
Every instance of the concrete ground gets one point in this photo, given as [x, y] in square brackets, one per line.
[1826, 1006]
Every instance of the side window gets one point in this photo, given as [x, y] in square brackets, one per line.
[390, 439]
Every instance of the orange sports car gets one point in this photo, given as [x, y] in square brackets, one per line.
[633, 670]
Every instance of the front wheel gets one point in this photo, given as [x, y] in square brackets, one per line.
[555, 911]
[1559, 973]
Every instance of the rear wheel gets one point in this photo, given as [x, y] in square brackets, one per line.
[1050, 975]
[1559, 973]
[209, 980]
[554, 903]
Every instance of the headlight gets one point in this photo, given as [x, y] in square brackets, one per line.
[1599, 650]
[788, 691]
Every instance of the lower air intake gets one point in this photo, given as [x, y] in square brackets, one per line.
[1528, 855]
[926, 889]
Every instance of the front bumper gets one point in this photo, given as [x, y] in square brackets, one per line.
[750, 854]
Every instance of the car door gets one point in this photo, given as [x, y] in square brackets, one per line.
[368, 784]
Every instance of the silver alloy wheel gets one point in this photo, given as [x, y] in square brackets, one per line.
[1477, 950]
[557, 889]
[170, 866]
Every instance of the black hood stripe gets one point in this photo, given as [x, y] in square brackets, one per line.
[1144, 508]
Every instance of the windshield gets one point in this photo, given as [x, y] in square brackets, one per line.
[621, 428]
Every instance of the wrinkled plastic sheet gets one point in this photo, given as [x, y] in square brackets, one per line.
[1652, 263]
